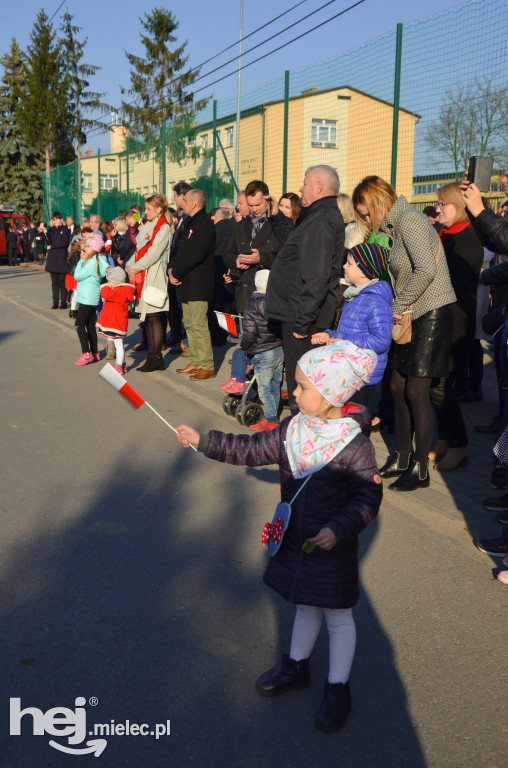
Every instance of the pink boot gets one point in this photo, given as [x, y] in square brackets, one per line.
[119, 368]
[85, 359]
[227, 384]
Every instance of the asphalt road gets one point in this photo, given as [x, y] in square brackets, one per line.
[131, 576]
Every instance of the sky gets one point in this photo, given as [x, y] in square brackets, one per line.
[208, 28]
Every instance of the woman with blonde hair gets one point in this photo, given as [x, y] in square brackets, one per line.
[148, 270]
[464, 256]
[421, 285]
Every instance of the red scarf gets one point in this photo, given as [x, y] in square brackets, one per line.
[459, 226]
[139, 277]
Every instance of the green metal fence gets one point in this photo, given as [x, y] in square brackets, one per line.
[410, 105]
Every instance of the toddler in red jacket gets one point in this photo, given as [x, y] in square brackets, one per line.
[113, 320]
[330, 491]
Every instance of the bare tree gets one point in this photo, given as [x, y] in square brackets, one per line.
[473, 120]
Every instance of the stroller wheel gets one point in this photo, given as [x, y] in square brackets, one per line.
[249, 414]
[226, 404]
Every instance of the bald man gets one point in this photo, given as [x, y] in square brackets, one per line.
[304, 278]
[192, 270]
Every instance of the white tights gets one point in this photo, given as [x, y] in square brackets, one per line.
[341, 633]
[120, 352]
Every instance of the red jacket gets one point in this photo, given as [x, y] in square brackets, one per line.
[114, 314]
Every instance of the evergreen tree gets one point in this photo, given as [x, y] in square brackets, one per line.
[21, 165]
[156, 85]
[43, 113]
[80, 99]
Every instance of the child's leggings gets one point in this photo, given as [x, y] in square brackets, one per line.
[120, 351]
[342, 638]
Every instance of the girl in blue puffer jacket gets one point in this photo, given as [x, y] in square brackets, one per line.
[367, 317]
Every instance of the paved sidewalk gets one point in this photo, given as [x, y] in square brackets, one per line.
[452, 504]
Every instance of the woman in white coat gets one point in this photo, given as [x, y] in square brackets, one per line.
[148, 270]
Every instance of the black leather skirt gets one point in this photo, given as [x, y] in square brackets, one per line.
[428, 352]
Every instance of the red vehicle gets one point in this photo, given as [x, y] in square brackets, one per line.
[15, 221]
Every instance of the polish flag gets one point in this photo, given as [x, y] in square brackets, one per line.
[117, 381]
[226, 321]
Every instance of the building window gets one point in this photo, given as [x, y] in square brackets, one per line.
[324, 133]
[109, 181]
[229, 137]
[86, 182]
[154, 188]
[204, 142]
[145, 190]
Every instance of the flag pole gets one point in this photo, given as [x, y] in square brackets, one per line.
[167, 423]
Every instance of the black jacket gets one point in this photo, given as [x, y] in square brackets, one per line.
[304, 278]
[58, 238]
[269, 240]
[123, 249]
[493, 233]
[257, 336]
[194, 260]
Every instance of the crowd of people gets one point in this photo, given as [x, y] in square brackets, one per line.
[346, 297]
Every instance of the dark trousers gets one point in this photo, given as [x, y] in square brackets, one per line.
[450, 422]
[59, 289]
[175, 313]
[85, 326]
[13, 257]
[293, 350]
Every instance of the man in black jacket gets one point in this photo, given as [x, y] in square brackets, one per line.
[256, 240]
[304, 280]
[192, 270]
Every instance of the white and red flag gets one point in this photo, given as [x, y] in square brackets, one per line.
[227, 322]
[117, 381]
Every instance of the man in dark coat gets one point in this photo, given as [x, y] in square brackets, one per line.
[12, 245]
[304, 280]
[192, 270]
[58, 238]
[256, 240]
[175, 318]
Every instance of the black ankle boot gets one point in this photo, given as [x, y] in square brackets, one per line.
[289, 675]
[417, 476]
[392, 467]
[154, 362]
[335, 708]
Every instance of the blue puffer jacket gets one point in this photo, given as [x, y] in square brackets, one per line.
[367, 321]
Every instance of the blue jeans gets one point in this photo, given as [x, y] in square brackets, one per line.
[268, 369]
[239, 365]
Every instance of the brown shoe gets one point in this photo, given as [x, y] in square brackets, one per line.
[203, 373]
[189, 369]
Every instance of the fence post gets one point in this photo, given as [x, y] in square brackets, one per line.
[77, 214]
[127, 165]
[214, 161]
[163, 137]
[99, 182]
[286, 126]
[396, 99]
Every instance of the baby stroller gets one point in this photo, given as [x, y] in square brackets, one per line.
[246, 406]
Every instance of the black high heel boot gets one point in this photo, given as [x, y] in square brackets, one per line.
[289, 675]
[154, 362]
[417, 476]
[392, 467]
[335, 708]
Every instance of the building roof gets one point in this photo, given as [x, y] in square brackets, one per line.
[259, 109]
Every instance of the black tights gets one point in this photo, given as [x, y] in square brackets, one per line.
[154, 333]
[413, 413]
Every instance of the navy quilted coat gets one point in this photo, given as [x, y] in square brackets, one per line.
[345, 496]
